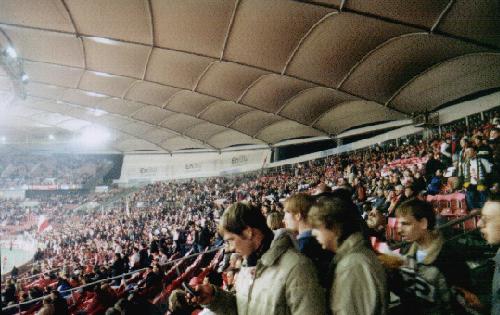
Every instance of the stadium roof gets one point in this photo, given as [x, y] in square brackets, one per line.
[175, 74]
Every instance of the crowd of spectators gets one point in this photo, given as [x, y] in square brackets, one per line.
[165, 220]
[17, 170]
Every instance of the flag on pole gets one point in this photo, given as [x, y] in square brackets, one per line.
[43, 224]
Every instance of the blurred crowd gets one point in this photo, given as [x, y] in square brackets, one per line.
[17, 170]
[300, 239]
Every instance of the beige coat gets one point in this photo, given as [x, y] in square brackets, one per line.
[360, 285]
[283, 282]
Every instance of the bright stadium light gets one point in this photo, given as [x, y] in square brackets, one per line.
[3, 139]
[94, 136]
[97, 112]
[102, 74]
[51, 137]
[11, 52]
[103, 40]
[94, 94]
[24, 78]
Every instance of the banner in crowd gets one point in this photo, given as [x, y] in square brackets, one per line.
[149, 168]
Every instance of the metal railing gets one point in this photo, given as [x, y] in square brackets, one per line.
[171, 262]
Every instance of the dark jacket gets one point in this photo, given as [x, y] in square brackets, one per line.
[495, 292]
[442, 268]
[309, 246]
[431, 167]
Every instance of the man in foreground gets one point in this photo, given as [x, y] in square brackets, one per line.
[275, 279]
[490, 228]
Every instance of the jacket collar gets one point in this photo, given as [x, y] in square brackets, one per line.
[433, 250]
[278, 247]
[351, 245]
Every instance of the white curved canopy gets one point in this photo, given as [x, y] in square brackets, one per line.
[168, 75]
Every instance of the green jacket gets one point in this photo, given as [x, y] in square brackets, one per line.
[360, 286]
[283, 282]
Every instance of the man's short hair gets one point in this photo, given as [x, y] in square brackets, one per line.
[299, 203]
[336, 213]
[275, 220]
[241, 215]
[419, 210]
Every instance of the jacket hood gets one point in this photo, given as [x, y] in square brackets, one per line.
[278, 247]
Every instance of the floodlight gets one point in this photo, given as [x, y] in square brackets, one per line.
[94, 136]
[11, 52]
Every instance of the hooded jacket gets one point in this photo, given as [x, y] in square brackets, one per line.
[359, 285]
[283, 282]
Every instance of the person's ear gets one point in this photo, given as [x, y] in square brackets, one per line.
[423, 223]
[248, 233]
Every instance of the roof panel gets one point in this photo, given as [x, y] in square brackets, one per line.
[230, 138]
[119, 106]
[44, 90]
[151, 93]
[179, 143]
[180, 122]
[252, 122]
[79, 97]
[152, 114]
[449, 81]
[53, 74]
[351, 114]
[284, 130]
[189, 102]
[192, 25]
[116, 57]
[272, 91]
[36, 45]
[477, 20]
[127, 20]
[105, 83]
[264, 33]
[48, 14]
[159, 135]
[380, 75]
[330, 51]
[309, 104]
[224, 112]
[176, 68]
[423, 13]
[203, 131]
[228, 80]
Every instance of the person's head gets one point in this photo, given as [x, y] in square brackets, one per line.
[464, 142]
[478, 140]
[490, 220]
[409, 191]
[244, 227]
[322, 188]
[380, 192]
[416, 218]
[376, 219]
[275, 220]
[439, 173]
[178, 303]
[470, 152]
[230, 273]
[296, 209]
[55, 295]
[494, 132]
[333, 220]
[398, 190]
